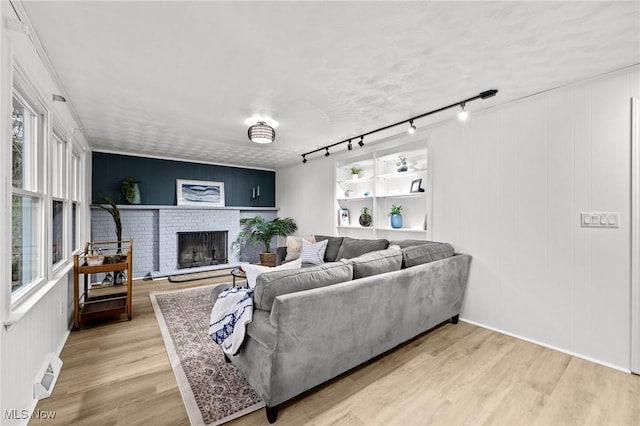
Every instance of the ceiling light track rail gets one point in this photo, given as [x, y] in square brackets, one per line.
[484, 95]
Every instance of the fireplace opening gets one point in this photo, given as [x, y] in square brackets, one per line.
[202, 248]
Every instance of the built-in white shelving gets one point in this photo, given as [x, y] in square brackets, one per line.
[379, 186]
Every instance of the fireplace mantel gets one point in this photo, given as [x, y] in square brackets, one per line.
[154, 231]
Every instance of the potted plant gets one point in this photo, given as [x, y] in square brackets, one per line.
[258, 230]
[113, 210]
[355, 172]
[396, 216]
[131, 190]
[402, 164]
[365, 217]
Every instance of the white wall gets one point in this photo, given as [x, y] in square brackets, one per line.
[509, 186]
[305, 193]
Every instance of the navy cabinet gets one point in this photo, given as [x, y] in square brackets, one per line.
[243, 187]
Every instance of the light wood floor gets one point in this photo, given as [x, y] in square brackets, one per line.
[118, 373]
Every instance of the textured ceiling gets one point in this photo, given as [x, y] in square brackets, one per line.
[177, 79]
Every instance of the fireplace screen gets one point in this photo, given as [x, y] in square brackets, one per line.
[202, 248]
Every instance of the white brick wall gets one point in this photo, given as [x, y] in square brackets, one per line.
[154, 233]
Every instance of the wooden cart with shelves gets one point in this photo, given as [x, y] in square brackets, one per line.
[95, 300]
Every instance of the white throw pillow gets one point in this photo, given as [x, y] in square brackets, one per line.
[252, 271]
[313, 252]
[294, 245]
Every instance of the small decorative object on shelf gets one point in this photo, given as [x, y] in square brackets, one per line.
[344, 217]
[402, 164]
[355, 172]
[396, 216]
[416, 186]
[348, 193]
[131, 190]
[365, 217]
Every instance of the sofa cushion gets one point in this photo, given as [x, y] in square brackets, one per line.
[409, 243]
[417, 255]
[333, 246]
[352, 247]
[376, 262]
[272, 284]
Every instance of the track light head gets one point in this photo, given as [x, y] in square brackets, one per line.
[304, 159]
[412, 129]
[326, 154]
[361, 143]
[463, 114]
[349, 146]
[488, 94]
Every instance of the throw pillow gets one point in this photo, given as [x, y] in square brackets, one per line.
[313, 252]
[252, 271]
[333, 246]
[294, 245]
[354, 247]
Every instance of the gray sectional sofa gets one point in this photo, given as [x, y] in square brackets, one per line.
[312, 324]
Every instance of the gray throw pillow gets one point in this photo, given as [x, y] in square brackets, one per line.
[417, 255]
[376, 262]
[333, 245]
[353, 247]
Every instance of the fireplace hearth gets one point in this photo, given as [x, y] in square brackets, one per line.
[202, 248]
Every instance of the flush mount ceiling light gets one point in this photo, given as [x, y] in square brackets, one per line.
[261, 132]
[261, 129]
[412, 128]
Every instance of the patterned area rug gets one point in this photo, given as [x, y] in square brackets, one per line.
[212, 390]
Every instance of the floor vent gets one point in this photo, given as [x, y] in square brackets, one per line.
[47, 377]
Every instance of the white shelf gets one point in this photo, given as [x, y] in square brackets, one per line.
[405, 195]
[356, 227]
[362, 180]
[398, 175]
[401, 229]
[368, 197]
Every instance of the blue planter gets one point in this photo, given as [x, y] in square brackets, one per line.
[396, 221]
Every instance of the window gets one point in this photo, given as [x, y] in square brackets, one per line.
[58, 184]
[27, 195]
[76, 198]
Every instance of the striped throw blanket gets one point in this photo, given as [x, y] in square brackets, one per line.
[231, 313]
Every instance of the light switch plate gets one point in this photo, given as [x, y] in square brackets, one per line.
[599, 219]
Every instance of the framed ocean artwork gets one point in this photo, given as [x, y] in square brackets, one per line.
[199, 193]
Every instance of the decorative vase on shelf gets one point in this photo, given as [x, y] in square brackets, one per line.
[355, 173]
[396, 216]
[365, 218]
[120, 278]
[402, 164]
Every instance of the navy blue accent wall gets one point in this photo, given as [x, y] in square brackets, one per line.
[157, 180]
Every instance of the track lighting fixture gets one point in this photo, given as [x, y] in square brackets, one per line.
[59, 98]
[412, 128]
[462, 115]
